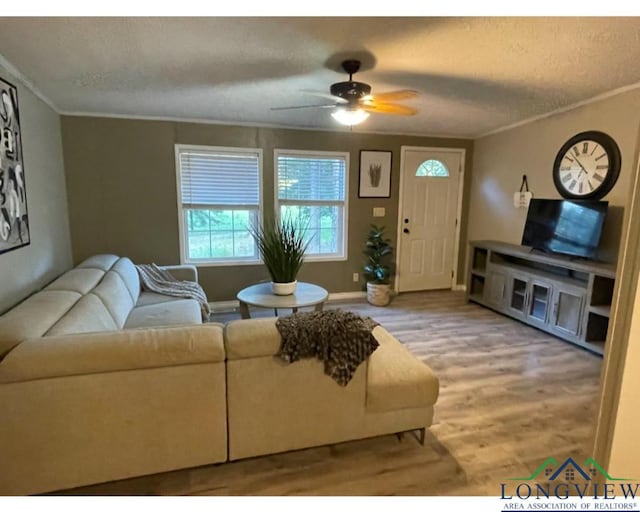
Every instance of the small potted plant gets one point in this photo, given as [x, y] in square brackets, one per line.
[377, 270]
[282, 247]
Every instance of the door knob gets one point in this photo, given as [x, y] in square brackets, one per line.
[406, 230]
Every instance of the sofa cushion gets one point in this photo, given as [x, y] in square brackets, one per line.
[81, 280]
[396, 379]
[149, 298]
[174, 312]
[253, 337]
[34, 317]
[125, 268]
[61, 356]
[100, 261]
[89, 314]
[115, 296]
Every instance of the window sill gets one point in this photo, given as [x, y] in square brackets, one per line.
[225, 263]
[321, 259]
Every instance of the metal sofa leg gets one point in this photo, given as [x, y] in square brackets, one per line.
[419, 434]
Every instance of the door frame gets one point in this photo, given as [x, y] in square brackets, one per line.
[456, 247]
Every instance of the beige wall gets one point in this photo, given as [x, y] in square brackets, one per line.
[121, 183]
[624, 461]
[25, 270]
[500, 160]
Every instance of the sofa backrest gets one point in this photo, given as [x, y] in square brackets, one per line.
[95, 296]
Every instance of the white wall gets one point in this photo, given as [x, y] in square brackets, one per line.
[25, 270]
[501, 159]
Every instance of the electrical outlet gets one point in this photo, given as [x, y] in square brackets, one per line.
[356, 277]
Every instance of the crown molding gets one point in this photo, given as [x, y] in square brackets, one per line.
[5, 63]
[573, 106]
[173, 119]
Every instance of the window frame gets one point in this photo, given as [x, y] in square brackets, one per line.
[343, 233]
[182, 220]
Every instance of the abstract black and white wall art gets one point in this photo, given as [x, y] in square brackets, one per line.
[14, 219]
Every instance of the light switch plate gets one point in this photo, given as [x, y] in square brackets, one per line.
[378, 212]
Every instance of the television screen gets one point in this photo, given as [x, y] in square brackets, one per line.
[565, 227]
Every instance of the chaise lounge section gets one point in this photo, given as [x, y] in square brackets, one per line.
[100, 381]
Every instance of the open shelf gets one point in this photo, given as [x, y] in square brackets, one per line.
[476, 285]
[604, 310]
[597, 327]
[479, 259]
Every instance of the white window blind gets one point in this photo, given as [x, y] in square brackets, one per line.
[311, 178]
[220, 201]
[311, 189]
[210, 178]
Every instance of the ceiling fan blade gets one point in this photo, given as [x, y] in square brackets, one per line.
[322, 94]
[389, 108]
[304, 106]
[402, 94]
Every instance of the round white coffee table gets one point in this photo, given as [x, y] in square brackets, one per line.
[260, 295]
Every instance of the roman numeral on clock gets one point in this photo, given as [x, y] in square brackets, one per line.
[580, 188]
[569, 158]
[590, 185]
[566, 177]
[575, 150]
[602, 166]
[572, 185]
[598, 177]
[585, 147]
[599, 157]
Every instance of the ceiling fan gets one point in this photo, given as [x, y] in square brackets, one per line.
[353, 102]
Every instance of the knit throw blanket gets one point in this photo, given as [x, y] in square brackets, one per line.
[157, 280]
[341, 339]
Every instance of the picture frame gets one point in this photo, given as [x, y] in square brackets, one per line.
[14, 217]
[375, 173]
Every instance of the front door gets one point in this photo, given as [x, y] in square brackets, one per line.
[428, 219]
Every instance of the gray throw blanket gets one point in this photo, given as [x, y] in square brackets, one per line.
[341, 339]
[157, 280]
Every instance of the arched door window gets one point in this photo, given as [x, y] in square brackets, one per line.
[433, 169]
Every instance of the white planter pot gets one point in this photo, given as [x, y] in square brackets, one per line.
[378, 294]
[283, 288]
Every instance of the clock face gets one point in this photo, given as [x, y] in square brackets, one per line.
[587, 166]
[584, 168]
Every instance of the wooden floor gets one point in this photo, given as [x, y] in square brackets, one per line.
[511, 396]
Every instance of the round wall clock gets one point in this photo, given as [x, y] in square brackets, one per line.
[587, 166]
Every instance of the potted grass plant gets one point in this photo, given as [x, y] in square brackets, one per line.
[377, 270]
[282, 246]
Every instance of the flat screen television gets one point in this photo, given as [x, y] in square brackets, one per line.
[565, 227]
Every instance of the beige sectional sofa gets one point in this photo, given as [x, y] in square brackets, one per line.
[100, 381]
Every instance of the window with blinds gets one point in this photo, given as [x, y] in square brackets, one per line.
[311, 189]
[220, 199]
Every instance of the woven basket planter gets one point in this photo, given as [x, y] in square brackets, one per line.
[378, 294]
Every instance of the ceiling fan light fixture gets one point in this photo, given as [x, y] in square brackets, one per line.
[350, 117]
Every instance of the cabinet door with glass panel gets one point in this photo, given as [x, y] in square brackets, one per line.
[517, 294]
[529, 299]
[566, 314]
[539, 297]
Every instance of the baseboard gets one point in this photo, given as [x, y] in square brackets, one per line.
[223, 306]
[460, 288]
[346, 296]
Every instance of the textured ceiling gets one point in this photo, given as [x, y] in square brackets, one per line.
[473, 75]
